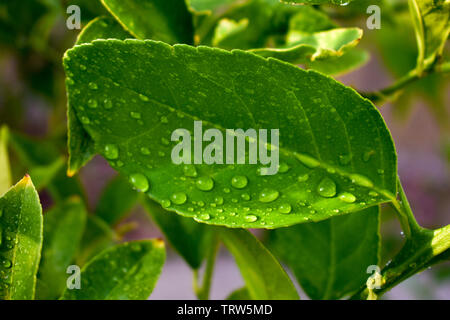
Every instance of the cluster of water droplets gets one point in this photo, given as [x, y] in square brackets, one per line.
[6, 244]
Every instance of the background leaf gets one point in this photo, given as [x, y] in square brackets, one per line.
[128, 271]
[63, 229]
[191, 239]
[165, 20]
[330, 258]
[5, 173]
[356, 163]
[116, 201]
[21, 241]
[265, 279]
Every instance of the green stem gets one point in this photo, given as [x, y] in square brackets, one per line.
[202, 291]
[422, 248]
[393, 91]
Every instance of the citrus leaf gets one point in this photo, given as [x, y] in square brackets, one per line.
[21, 241]
[5, 172]
[264, 278]
[97, 236]
[349, 61]
[330, 258]
[63, 229]
[117, 199]
[80, 145]
[191, 239]
[431, 20]
[128, 271]
[316, 46]
[344, 168]
[102, 28]
[165, 20]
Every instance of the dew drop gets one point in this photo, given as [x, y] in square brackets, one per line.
[326, 188]
[139, 181]
[204, 217]
[111, 152]
[218, 200]
[92, 103]
[347, 197]
[303, 177]
[85, 120]
[204, 183]
[145, 151]
[239, 182]
[245, 196]
[108, 104]
[93, 86]
[166, 203]
[179, 197]
[189, 170]
[143, 98]
[250, 218]
[361, 180]
[283, 167]
[308, 161]
[268, 195]
[6, 264]
[285, 208]
[135, 115]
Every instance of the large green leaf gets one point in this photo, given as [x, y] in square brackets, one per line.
[21, 241]
[431, 20]
[330, 258]
[63, 229]
[165, 20]
[336, 153]
[116, 201]
[191, 239]
[5, 171]
[128, 271]
[264, 278]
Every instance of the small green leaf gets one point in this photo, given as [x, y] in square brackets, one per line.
[97, 236]
[349, 61]
[63, 229]
[128, 271]
[164, 20]
[265, 279]
[117, 199]
[5, 171]
[191, 239]
[330, 258]
[232, 90]
[21, 241]
[320, 45]
[102, 28]
[431, 20]
[43, 175]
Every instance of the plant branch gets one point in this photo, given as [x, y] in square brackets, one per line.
[422, 248]
[202, 291]
[393, 91]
